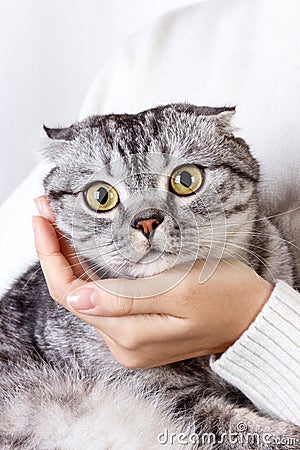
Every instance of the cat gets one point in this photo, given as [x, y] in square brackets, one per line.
[136, 195]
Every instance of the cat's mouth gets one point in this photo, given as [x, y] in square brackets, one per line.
[153, 255]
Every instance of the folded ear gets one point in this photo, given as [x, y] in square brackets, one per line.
[223, 120]
[66, 134]
[57, 144]
[221, 117]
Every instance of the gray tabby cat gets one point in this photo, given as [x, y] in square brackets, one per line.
[135, 195]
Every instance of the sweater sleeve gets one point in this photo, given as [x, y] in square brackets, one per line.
[264, 363]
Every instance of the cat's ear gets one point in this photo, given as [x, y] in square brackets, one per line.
[56, 144]
[65, 134]
[223, 120]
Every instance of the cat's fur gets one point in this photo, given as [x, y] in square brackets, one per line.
[60, 387]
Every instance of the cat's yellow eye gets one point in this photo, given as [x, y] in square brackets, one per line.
[186, 179]
[101, 196]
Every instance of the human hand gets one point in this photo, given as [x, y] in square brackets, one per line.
[66, 248]
[186, 321]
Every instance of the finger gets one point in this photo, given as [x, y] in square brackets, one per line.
[133, 332]
[154, 354]
[44, 208]
[167, 293]
[136, 332]
[122, 297]
[58, 273]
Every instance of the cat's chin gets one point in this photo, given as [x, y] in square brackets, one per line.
[150, 269]
[147, 271]
[149, 266]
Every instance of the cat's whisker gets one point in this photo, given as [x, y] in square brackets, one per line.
[226, 242]
[86, 260]
[261, 259]
[263, 234]
[31, 276]
[227, 221]
[283, 213]
[94, 247]
[235, 255]
[100, 254]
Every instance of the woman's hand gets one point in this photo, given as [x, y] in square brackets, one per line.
[187, 321]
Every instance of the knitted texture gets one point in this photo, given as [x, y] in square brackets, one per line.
[264, 363]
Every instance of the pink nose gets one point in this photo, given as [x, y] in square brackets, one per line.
[147, 225]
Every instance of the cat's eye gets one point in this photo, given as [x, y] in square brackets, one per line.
[186, 179]
[101, 196]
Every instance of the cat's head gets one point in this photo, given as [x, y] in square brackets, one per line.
[140, 193]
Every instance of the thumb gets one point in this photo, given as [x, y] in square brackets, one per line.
[120, 297]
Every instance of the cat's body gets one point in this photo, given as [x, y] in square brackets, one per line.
[60, 387]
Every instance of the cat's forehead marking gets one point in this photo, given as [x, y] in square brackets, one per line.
[162, 133]
[137, 171]
[137, 156]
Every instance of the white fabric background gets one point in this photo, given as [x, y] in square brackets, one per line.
[49, 53]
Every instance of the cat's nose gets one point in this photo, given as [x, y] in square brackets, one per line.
[147, 226]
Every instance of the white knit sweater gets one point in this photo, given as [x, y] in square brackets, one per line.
[265, 362]
[217, 52]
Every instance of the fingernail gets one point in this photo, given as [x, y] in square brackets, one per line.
[40, 206]
[83, 299]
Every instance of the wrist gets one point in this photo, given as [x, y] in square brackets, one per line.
[260, 295]
[252, 301]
